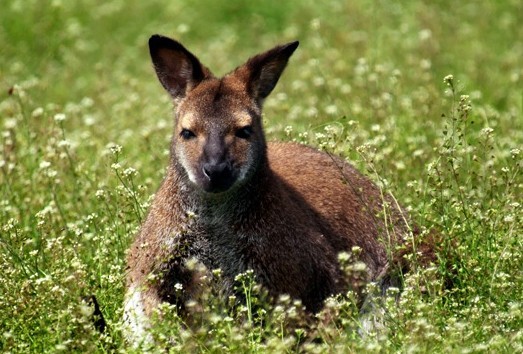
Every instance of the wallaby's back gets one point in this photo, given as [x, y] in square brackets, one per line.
[348, 203]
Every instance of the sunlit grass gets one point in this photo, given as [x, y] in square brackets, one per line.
[85, 131]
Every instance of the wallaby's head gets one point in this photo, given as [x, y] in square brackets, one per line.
[218, 140]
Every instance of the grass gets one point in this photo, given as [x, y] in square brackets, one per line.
[85, 131]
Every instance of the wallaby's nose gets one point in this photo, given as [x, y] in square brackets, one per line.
[218, 174]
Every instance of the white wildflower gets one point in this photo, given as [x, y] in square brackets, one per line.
[115, 148]
[10, 123]
[487, 131]
[129, 172]
[87, 102]
[38, 112]
[100, 193]
[331, 109]
[44, 165]
[64, 144]
[59, 117]
[116, 166]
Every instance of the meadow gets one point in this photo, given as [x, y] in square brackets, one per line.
[425, 97]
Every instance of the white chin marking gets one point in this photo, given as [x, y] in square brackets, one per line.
[187, 169]
[136, 323]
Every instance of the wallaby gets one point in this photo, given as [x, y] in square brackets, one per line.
[234, 202]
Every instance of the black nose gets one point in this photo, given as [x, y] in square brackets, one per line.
[216, 172]
[219, 177]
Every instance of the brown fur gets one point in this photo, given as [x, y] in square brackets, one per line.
[234, 202]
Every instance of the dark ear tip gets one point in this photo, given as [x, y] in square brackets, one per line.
[159, 41]
[155, 39]
[291, 47]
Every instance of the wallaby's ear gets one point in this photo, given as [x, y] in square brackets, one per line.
[178, 69]
[262, 71]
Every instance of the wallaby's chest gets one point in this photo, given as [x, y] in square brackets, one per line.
[227, 245]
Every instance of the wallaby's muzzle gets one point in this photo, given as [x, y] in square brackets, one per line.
[218, 177]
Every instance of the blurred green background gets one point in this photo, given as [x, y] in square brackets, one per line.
[366, 82]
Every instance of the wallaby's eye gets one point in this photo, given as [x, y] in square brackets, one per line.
[187, 134]
[244, 133]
